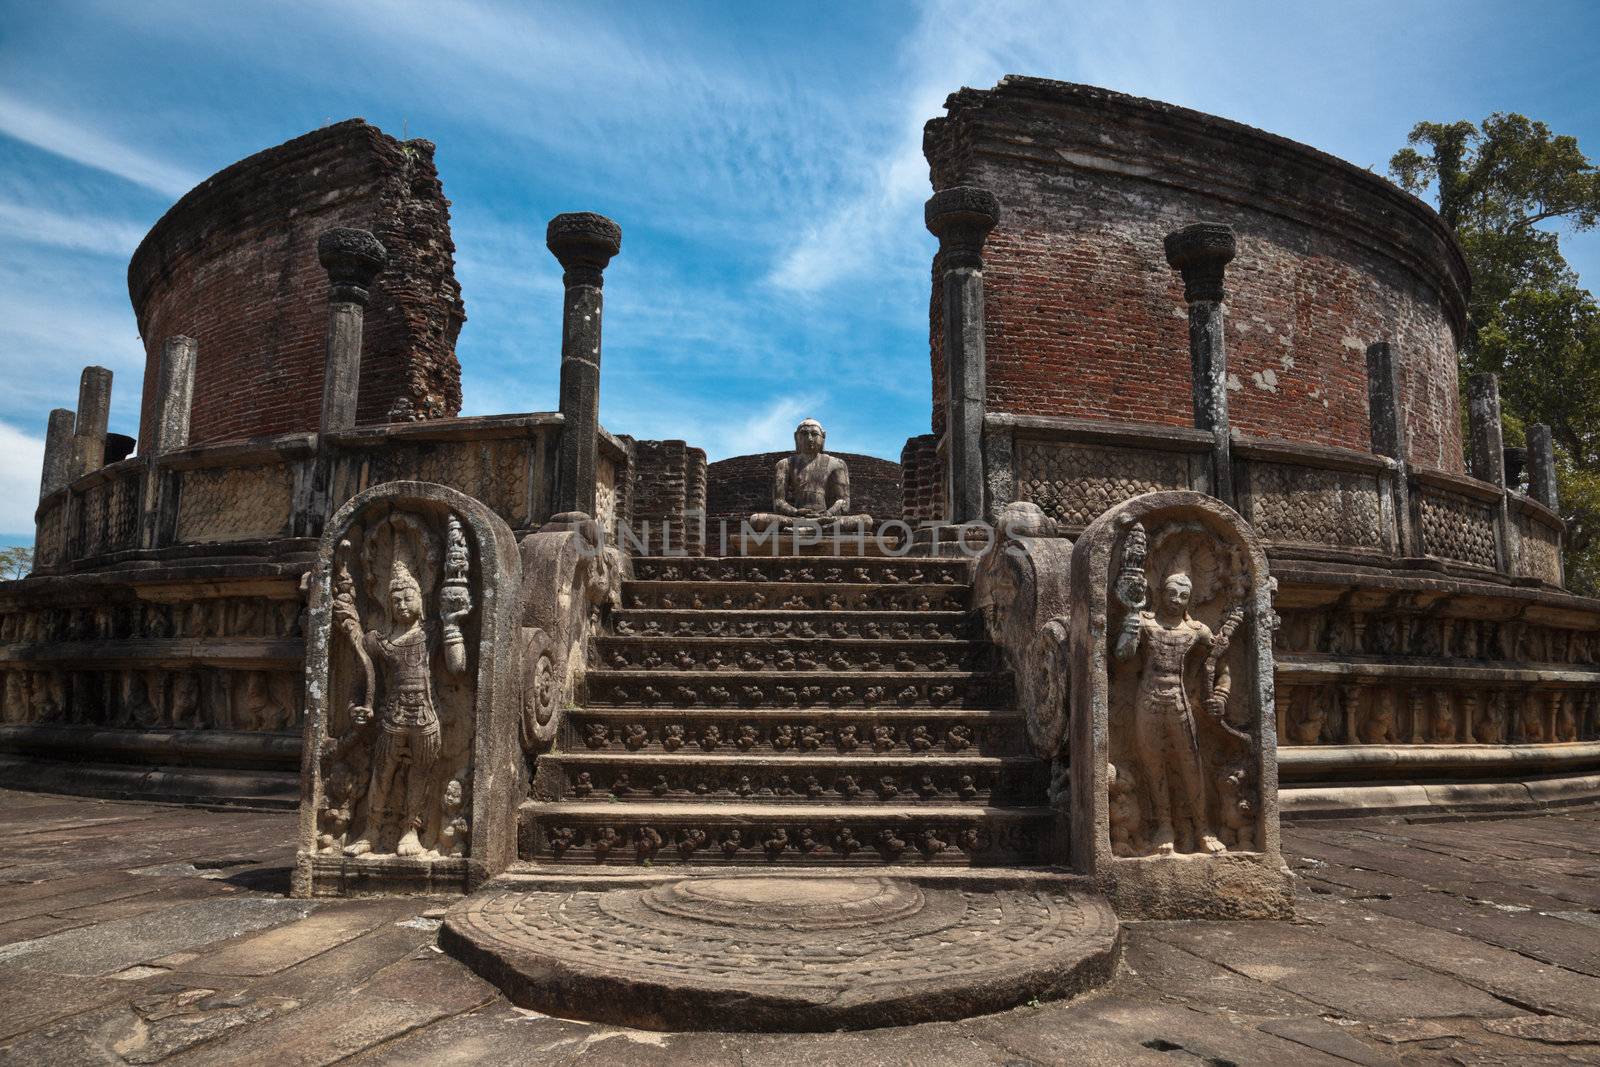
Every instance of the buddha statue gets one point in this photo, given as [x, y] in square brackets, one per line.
[810, 486]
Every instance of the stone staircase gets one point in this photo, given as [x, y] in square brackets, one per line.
[827, 711]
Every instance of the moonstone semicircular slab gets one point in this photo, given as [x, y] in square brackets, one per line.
[779, 953]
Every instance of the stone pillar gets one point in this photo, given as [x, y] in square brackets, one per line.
[961, 217]
[94, 412]
[57, 452]
[352, 259]
[1483, 416]
[174, 400]
[584, 243]
[174, 394]
[1541, 466]
[1488, 459]
[1201, 253]
[1386, 416]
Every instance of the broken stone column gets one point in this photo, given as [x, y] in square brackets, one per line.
[583, 243]
[1483, 417]
[352, 259]
[1174, 783]
[961, 217]
[174, 394]
[94, 413]
[57, 452]
[1201, 253]
[1542, 466]
[174, 401]
[1488, 458]
[1386, 416]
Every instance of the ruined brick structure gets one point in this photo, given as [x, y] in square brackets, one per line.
[1080, 305]
[233, 265]
[1429, 655]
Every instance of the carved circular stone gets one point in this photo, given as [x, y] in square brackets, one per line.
[786, 953]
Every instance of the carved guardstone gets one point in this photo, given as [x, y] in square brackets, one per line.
[411, 771]
[1173, 731]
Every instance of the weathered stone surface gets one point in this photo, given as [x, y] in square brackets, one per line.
[1309, 993]
[410, 772]
[235, 503]
[1174, 806]
[786, 953]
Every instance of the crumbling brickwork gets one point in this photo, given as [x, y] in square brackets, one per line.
[1084, 317]
[922, 479]
[234, 265]
[742, 485]
[667, 483]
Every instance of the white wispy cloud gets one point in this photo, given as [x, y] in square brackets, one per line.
[81, 143]
[78, 233]
[21, 460]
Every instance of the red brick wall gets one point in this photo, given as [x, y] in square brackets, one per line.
[667, 481]
[234, 265]
[922, 479]
[742, 485]
[1084, 318]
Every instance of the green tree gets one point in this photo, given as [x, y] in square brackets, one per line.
[1509, 187]
[16, 562]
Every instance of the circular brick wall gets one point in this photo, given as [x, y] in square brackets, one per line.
[233, 264]
[742, 485]
[1084, 317]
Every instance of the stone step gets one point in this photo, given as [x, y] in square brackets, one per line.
[793, 596]
[809, 689]
[609, 777]
[796, 655]
[710, 832]
[864, 625]
[794, 733]
[833, 570]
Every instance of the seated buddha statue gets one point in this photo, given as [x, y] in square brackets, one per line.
[810, 486]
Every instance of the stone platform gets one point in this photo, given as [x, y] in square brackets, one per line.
[816, 951]
[153, 934]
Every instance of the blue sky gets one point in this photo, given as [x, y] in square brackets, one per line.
[763, 160]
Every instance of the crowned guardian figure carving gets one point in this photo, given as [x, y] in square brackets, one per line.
[398, 659]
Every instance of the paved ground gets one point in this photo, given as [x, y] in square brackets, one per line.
[134, 933]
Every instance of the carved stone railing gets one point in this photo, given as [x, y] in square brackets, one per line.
[1305, 501]
[263, 491]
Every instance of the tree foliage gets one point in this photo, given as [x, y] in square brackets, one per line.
[1508, 187]
[16, 562]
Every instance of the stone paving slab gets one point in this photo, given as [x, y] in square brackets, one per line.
[1409, 949]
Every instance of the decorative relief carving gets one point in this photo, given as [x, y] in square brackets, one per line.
[1314, 505]
[1075, 483]
[1539, 554]
[234, 503]
[407, 723]
[1173, 742]
[1441, 714]
[1173, 786]
[1458, 527]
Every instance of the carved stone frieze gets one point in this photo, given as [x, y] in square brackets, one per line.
[820, 597]
[1457, 527]
[1315, 505]
[1435, 713]
[1075, 483]
[902, 626]
[916, 732]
